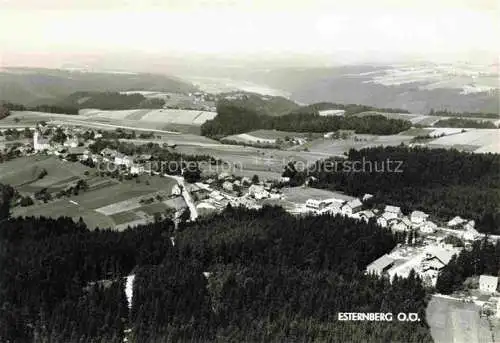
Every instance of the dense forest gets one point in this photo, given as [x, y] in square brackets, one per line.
[348, 108]
[465, 123]
[239, 276]
[110, 101]
[445, 183]
[233, 119]
[61, 109]
[446, 113]
[483, 258]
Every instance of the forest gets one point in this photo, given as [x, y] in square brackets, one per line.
[232, 119]
[483, 258]
[465, 123]
[444, 183]
[446, 113]
[52, 108]
[238, 276]
[110, 101]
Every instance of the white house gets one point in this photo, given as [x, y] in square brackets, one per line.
[418, 217]
[352, 207]
[383, 220]
[176, 190]
[228, 186]
[71, 142]
[334, 207]
[258, 192]
[121, 159]
[456, 221]
[428, 227]
[366, 215]
[488, 283]
[315, 204]
[470, 235]
[393, 211]
[400, 225]
[366, 197]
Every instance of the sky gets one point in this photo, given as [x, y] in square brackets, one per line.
[53, 32]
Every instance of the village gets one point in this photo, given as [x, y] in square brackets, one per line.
[428, 248]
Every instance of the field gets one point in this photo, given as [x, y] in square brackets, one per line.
[267, 136]
[143, 119]
[420, 119]
[107, 202]
[450, 320]
[300, 195]
[477, 140]
[338, 147]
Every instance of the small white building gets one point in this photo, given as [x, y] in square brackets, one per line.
[352, 207]
[176, 190]
[418, 217]
[314, 204]
[334, 208]
[380, 265]
[393, 211]
[125, 160]
[366, 197]
[227, 186]
[428, 227]
[456, 221]
[258, 192]
[488, 283]
[71, 142]
[470, 235]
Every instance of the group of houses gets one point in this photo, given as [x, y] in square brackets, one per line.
[391, 216]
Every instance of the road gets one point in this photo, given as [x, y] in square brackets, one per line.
[186, 195]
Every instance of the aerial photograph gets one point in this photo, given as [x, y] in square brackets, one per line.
[240, 171]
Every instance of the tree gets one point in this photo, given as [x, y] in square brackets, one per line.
[255, 179]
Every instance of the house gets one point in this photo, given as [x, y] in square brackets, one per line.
[488, 283]
[224, 176]
[470, 225]
[352, 207]
[227, 186]
[284, 179]
[393, 211]
[470, 235]
[400, 225]
[246, 180]
[176, 190]
[428, 227]
[366, 197]
[315, 204]
[334, 207]
[258, 192]
[121, 159]
[366, 215]
[71, 142]
[437, 259]
[456, 221]
[384, 219]
[418, 217]
[380, 265]
[137, 169]
[216, 196]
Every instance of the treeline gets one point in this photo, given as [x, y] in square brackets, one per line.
[465, 123]
[232, 119]
[60, 109]
[111, 101]
[348, 108]
[445, 183]
[239, 276]
[446, 113]
[483, 258]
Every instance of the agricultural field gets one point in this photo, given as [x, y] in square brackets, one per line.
[299, 195]
[337, 147]
[268, 136]
[106, 203]
[476, 140]
[141, 119]
[420, 119]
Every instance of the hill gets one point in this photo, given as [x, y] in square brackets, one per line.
[35, 86]
[261, 104]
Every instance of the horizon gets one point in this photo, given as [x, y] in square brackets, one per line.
[320, 33]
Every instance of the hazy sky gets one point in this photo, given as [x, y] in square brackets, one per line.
[48, 32]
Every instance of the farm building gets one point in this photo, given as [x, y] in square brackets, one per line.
[40, 143]
[456, 221]
[352, 207]
[488, 283]
[418, 217]
[393, 211]
[380, 265]
[314, 204]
